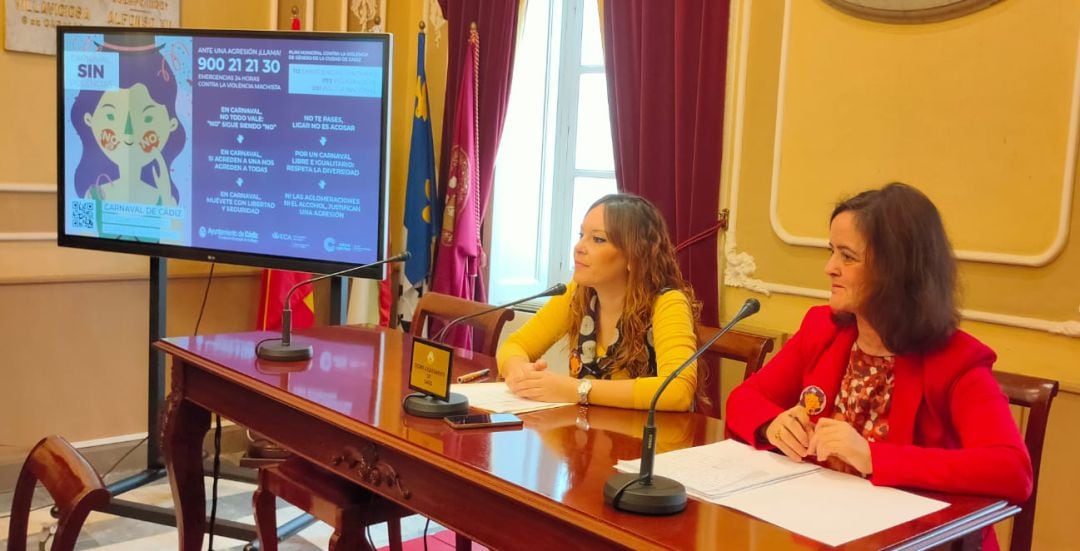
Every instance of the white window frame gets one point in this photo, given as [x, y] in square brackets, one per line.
[553, 243]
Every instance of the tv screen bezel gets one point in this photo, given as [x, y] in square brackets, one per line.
[217, 255]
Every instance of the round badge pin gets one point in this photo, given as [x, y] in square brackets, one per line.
[813, 399]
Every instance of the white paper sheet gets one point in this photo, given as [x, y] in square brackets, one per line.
[831, 507]
[497, 398]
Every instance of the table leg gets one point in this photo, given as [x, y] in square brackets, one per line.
[462, 543]
[183, 431]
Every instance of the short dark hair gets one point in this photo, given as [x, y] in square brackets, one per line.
[910, 295]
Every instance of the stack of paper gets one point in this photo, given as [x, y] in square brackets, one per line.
[718, 470]
[497, 398]
[831, 507]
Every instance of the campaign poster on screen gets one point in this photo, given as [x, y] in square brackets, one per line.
[261, 145]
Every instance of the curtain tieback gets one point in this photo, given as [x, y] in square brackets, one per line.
[721, 224]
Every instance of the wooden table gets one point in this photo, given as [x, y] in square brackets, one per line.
[537, 487]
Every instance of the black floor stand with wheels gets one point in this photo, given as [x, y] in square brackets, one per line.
[155, 397]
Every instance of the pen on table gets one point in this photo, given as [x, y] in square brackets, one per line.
[473, 376]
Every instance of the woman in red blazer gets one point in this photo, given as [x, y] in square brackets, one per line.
[881, 382]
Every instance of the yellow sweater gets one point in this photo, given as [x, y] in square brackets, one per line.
[673, 339]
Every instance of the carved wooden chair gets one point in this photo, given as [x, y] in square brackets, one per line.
[73, 484]
[486, 328]
[348, 508]
[735, 345]
[1036, 395]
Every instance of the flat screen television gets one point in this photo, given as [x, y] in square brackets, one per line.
[256, 148]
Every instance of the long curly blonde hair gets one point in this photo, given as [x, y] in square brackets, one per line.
[637, 229]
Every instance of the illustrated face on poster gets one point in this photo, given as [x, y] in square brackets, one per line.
[132, 129]
[124, 114]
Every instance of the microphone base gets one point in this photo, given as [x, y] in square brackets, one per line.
[274, 351]
[423, 405]
[663, 497]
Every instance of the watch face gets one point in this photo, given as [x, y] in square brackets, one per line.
[583, 389]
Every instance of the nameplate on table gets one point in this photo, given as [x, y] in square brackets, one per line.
[429, 372]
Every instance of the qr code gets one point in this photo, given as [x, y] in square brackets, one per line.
[82, 215]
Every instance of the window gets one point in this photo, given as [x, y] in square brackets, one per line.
[555, 157]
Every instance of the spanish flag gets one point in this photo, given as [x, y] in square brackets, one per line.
[275, 284]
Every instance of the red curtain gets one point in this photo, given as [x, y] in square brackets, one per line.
[666, 64]
[496, 23]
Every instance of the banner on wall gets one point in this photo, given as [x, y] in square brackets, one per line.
[30, 24]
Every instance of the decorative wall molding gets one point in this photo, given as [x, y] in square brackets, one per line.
[740, 265]
[738, 33]
[1067, 185]
[433, 15]
[134, 276]
[27, 236]
[906, 11]
[1070, 328]
[367, 16]
[27, 187]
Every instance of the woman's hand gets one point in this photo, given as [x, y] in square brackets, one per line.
[791, 433]
[535, 382]
[517, 366]
[835, 438]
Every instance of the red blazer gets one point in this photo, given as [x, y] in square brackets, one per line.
[950, 427]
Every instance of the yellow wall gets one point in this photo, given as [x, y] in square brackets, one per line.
[75, 320]
[977, 112]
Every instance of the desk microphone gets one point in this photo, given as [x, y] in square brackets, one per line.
[284, 350]
[552, 291]
[642, 492]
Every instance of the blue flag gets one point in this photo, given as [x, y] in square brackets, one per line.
[420, 186]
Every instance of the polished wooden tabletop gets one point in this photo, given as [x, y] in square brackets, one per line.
[555, 464]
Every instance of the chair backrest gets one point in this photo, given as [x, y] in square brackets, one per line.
[748, 348]
[73, 484]
[1036, 395]
[486, 327]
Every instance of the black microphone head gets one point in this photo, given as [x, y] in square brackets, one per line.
[751, 306]
[556, 290]
[401, 257]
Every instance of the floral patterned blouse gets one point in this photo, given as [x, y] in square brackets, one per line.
[866, 393]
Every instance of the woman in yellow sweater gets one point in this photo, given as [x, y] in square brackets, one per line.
[628, 316]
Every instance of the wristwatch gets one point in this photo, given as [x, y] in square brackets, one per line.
[583, 389]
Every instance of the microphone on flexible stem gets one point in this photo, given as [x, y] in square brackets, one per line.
[642, 492]
[552, 291]
[284, 350]
[424, 405]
